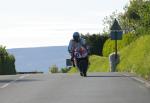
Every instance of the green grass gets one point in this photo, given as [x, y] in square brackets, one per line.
[126, 40]
[73, 70]
[135, 58]
[97, 64]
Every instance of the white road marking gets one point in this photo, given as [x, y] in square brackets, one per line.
[23, 76]
[7, 84]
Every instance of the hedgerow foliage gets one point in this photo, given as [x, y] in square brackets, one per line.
[7, 62]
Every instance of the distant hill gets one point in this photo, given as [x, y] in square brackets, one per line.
[39, 58]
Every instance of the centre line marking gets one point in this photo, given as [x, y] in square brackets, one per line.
[7, 84]
[4, 86]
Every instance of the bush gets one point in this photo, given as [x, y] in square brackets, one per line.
[65, 70]
[53, 69]
[7, 62]
[73, 70]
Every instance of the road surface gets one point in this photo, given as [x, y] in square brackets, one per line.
[71, 88]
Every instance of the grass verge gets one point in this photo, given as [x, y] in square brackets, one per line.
[97, 64]
[135, 58]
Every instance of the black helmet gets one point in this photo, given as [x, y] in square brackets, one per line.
[76, 36]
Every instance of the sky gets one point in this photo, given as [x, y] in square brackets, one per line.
[36, 23]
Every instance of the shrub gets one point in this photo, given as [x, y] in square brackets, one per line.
[7, 62]
[53, 69]
[65, 70]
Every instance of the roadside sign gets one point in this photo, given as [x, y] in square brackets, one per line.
[116, 31]
[116, 35]
[115, 26]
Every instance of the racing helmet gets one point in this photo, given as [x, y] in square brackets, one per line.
[76, 36]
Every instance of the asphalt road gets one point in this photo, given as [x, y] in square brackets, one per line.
[71, 88]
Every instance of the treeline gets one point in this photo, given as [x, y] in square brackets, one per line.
[7, 62]
[95, 43]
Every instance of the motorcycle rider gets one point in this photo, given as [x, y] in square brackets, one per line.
[78, 51]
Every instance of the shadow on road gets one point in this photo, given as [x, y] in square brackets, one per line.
[5, 81]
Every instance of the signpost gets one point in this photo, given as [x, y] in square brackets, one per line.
[116, 34]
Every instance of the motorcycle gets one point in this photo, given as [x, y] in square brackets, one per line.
[80, 60]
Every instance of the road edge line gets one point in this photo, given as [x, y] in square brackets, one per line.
[139, 79]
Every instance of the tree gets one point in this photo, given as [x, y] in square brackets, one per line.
[134, 19]
[137, 16]
[95, 43]
[108, 20]
[7, 62]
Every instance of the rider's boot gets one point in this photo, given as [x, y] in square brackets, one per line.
[84, 74]
[81, 74]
